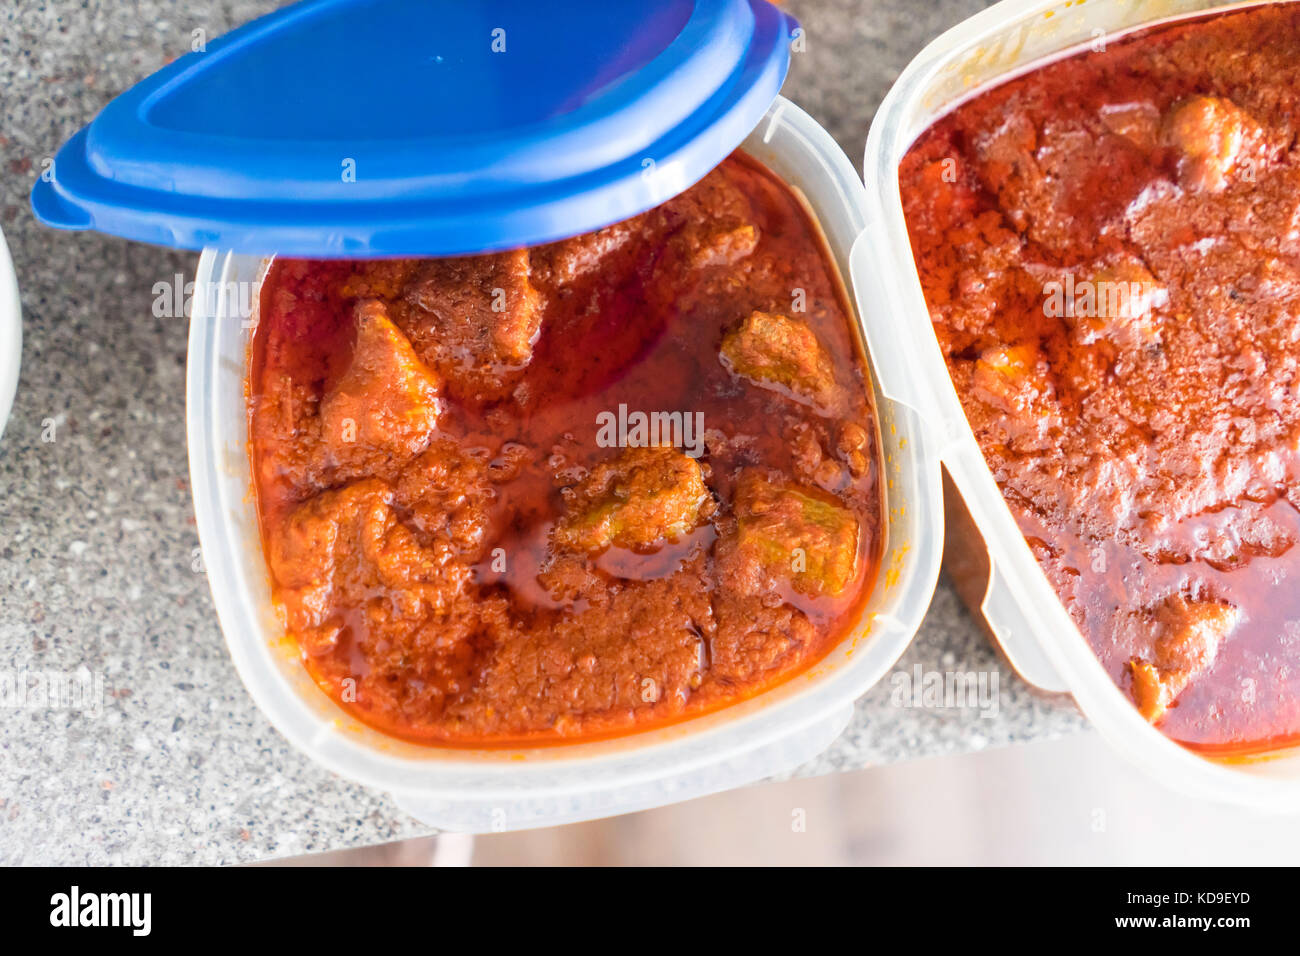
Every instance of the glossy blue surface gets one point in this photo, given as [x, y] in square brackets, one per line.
[433, 127]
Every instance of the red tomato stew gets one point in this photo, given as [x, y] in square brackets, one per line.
[570, 491]
[1110, 249]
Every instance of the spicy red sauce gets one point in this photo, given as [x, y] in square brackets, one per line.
[1110, 249]
[459, 553]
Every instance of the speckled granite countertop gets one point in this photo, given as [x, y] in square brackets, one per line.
[97, 535]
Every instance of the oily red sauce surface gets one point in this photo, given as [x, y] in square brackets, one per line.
[437, 583]
[1149, 447]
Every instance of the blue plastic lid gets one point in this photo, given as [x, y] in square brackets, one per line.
[423, 127]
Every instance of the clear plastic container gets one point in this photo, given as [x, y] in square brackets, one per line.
[487, 790]
[1021, 609]
[11, 333]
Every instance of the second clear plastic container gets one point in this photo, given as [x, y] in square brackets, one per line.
[1020, 606]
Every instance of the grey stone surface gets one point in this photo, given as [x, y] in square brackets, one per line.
[97, 535]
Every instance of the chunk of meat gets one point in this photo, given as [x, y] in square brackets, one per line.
[338, 548]
[1013, 379]
[476, 317]
[565, 262]
[790, 533]
[724, 245]
[754, 637]
[640, 499]
[639, 648]
[854, 444]
[1210, 133]
[714, 224]
[446, 495]
[386, 404]
[770, 349]
[1045, 174]
[323, 538]
[1117, 302]
[1131, 297]
[1190, 634]
[1137, 122]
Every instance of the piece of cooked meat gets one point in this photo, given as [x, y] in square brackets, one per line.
[724, 245]
[446, 494]
[1137, 122]
[1015, 388]
[1117, 303]
[1211, 134]
[386, 404]
[1010, 377]
[485, 308]
[714, 223]
[769, 349]
[793, 533]
[563, 263]
[1189, 636]
[322, 540]
[338, 549]
[639, 499]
